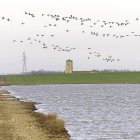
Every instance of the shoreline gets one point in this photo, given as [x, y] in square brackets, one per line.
[19, 121]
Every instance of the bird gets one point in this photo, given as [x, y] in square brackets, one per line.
[112, 60]
[29, 38]
[109, 56]
[98, 55]
[44, 44]
[103, 35]
[33, 15]
[26, 13]
[108, 35]
[8, 19]
[43, 15]
[57, 19]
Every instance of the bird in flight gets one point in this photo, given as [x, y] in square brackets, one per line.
[8, 19]
[26, 13]
[29, 38]
[43, 15]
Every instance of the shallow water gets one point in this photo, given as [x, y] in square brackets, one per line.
[91, 112]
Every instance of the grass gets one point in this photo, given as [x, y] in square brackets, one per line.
[51, 123]
[76, 78]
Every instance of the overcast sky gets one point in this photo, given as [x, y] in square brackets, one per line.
[126, 49]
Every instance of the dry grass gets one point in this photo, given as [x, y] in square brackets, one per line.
[4, 92]
[60, 124]
[54, 124]
[3, 83]
[51, 122]
[51, 116]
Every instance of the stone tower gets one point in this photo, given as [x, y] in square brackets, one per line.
[69, 66]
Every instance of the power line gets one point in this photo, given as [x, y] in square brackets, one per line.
[24, 70]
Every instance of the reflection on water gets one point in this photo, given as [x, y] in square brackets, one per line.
[91, 112]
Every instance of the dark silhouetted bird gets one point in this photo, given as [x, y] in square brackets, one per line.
[8, 19]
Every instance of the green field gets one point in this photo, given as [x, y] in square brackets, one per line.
[76, 78]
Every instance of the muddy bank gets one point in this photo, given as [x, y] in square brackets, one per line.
[18, 121]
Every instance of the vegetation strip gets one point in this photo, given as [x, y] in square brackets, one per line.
[76, 78]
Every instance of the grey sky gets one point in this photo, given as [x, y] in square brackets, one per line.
[126, 49]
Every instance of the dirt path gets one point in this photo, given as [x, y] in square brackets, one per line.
[19, 122]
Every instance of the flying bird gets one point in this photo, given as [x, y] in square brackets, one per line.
[8, 19]
[26, 13]
[43, 15]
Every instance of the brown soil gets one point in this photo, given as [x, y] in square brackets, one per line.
[18, 121]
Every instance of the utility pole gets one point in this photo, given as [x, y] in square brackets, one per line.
[24, 70]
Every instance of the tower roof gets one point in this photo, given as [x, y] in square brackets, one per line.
[68, 60]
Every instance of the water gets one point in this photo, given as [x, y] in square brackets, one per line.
[91, 112]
